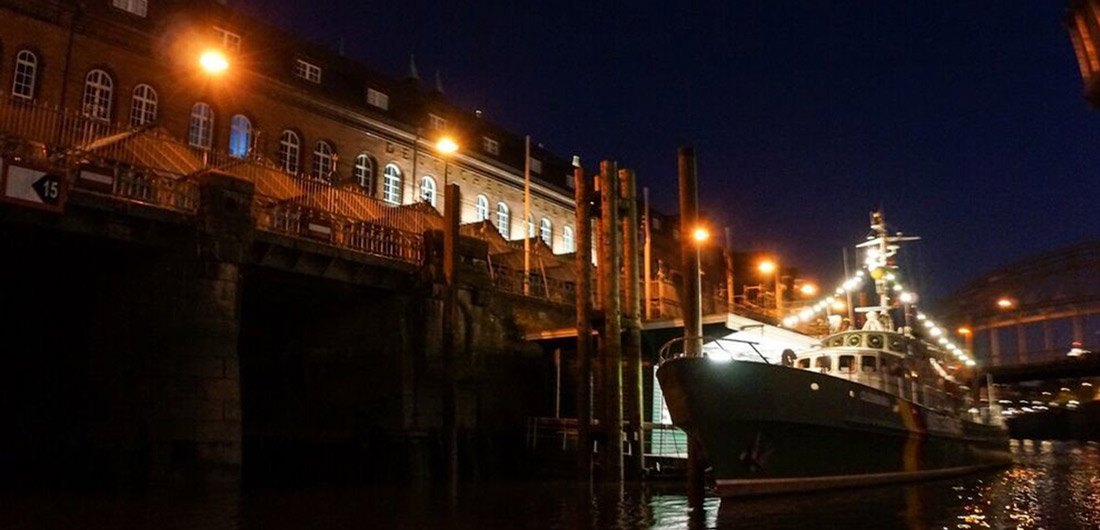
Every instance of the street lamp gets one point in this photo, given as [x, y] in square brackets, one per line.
[808, 289]
[700, 234]
[1005, 303]
[213, 62]
[768, 267]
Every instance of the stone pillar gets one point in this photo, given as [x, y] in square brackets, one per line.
[196, 426]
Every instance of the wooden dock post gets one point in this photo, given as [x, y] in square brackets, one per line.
[692, 310]
[451, 206]
[583, 294]
[611, 339]
[632, 322]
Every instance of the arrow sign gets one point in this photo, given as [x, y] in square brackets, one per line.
[33, 187]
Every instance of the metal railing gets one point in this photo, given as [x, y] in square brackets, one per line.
[136, 165]
[552, 289]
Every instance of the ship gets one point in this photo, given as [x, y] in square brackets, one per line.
[888, 398]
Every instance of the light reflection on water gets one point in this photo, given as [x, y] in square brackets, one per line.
[1051, 486]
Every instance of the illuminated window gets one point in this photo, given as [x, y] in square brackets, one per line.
[546, 232]
[378, 99]
[230, 41]
[143, 105]
[504, 220]
[481, 208]
[530, 226]
[567, 239]
[324, 161]
[26, 73]
[240, 136]
[290, 147]
[98, 87]
[427, 190]
[490, 146]
[137, 7]
[364, 173]
[391, 184]
[308, 71]
[201, 131]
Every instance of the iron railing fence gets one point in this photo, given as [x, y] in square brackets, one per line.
[138, 165]
[547, 288]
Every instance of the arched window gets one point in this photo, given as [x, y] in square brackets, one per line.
[364, 173]
[530, 226]
[289, 148]
[504, 221]
[427, 190]
[26, 73]
[391, 184]
[481, 208]
[324, 161]
[567, 239]
[546, 232]
[143, 106]
[201, 132]
[98, 86]
[240, 136]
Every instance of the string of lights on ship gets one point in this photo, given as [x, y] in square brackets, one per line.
[906, 297]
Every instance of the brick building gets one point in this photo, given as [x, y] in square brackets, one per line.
[305, 109]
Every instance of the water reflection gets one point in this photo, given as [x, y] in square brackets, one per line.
[1052, 486]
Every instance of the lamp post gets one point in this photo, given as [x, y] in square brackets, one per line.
[769, 267]
[451, 215]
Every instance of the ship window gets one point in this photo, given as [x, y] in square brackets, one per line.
[868, 363]
[874, 341]
[803, 363]
[824, 363]
[847, 363]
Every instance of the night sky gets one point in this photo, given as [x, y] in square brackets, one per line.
[965, 120]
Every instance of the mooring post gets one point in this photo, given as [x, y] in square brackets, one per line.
[731, 300]
[693, 311]
[583, 294]
[451, 207]
[611, 341]
[632, 321]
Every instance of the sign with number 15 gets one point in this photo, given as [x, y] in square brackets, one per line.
[27, 185]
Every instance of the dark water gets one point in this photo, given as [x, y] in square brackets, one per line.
[1051, 486]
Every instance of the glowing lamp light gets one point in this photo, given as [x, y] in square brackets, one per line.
[213, 62]
[878, 273]
[1004, 303]
[806, 314]
[446, 145]
[935, 332]
[907, 298]
[808, 289]
[790, 321]
[839, 306]
[700, 234]
[766, 267]
[964, 331]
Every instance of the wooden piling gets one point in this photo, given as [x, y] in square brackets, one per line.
[692, 308]
[632, 323]
[583, 293]
[731, 300]
[451, 204]
[611, 338]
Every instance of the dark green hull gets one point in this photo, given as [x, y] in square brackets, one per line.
[770, 429]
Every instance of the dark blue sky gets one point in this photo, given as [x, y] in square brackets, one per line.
[963, 119]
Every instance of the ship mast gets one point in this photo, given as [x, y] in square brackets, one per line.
[879, 258]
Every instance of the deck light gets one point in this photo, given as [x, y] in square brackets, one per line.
[808, 289]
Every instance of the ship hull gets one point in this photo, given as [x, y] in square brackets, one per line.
[773, 429]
